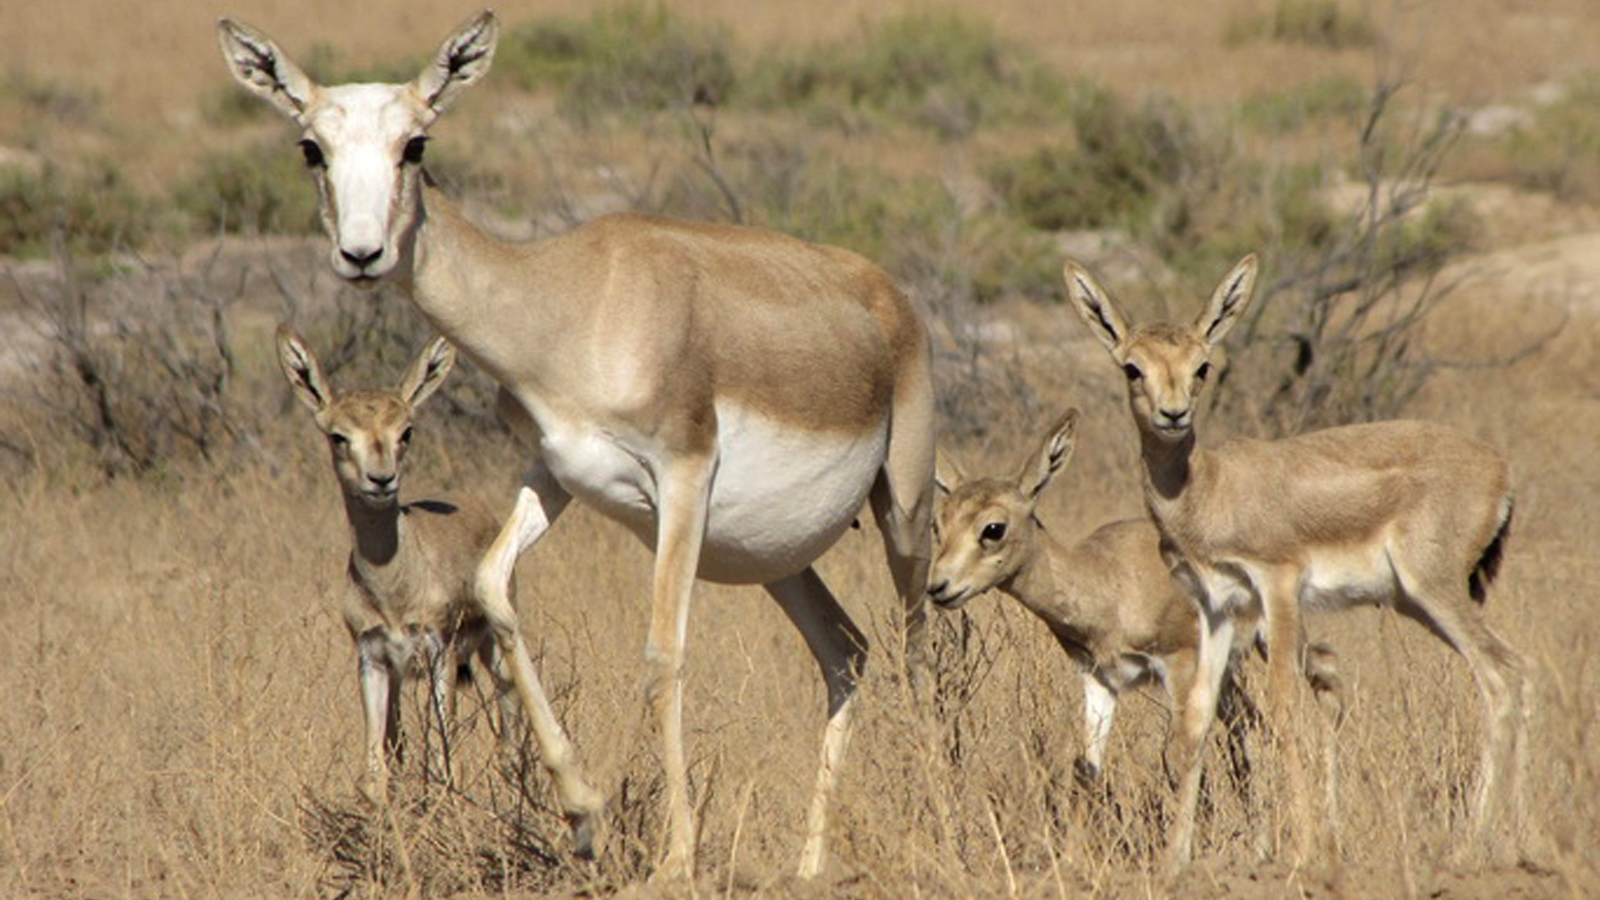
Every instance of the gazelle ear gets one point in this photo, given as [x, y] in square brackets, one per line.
[462, 59]
[1095, 306]
[1228, 301]
[303, 372]
[1052, 455]
[947, 475]
[428, 372]
[258, 64]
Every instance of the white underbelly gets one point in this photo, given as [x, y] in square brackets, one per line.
[1339, 578]
[780, 498]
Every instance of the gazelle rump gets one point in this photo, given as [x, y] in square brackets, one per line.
[1108, 599]
[731, 395]
[409, 603]
[1409, 515]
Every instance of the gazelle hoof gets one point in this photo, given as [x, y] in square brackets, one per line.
[588, 833]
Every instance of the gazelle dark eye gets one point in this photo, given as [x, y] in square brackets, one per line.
[1203, 372]
[338, 441]
[313, 154]
[415, 148]
[1132, 371]
[405, 436]
[993, 532]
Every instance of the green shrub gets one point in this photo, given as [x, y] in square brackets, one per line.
[1559, 151]
[1114, 172]
[1328, 24]
[1289, 111]
[260, 190]
[935, 68]
[631, 57]
[91, 212]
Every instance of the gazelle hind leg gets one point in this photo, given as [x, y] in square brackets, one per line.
[1501, 677]
[902, 504]
[840, 650]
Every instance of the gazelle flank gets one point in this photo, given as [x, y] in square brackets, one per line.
[1108, 599]
[1409, 515]
[731, 395]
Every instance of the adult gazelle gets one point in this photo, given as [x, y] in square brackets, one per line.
[731, 395]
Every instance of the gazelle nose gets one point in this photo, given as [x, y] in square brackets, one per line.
[382, 482]
[938, 589]
[361, 257]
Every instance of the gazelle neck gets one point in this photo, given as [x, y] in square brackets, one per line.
[375, 533]
[1168, 466]
[1035, 584]
[481, 292]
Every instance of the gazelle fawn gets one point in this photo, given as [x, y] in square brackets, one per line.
[1109, 599]
[1407, 515]
[408, 600]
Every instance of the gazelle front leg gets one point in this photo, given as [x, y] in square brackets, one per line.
[1199, 711]
[539, 503]
[380, 711]
[1099, 710]
[682, 505]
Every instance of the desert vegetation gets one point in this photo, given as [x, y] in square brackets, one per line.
[183, 704]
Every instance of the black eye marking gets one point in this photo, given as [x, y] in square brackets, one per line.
[1132, 371]
[415, 148]
[994, 531]
[313, 154]
[1201, 373]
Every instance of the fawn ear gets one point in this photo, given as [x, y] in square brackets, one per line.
[428, 372]
[258, 64]
[303, 372]
[1095, 306]
[461, 60]
[1228, 301]
[1053, 453]
[947, 474]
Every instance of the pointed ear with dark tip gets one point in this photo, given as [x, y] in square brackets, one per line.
[947, 474]
[1053, 453]
[427, 372]
[258, 64]
[461, 60]
[1095, 306]
[302, 371]
[1228, 301]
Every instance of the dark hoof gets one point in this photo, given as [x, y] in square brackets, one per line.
[587, 836]
[1086, 773]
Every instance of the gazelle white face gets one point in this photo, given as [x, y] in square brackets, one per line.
[363, 142]
[363, 145]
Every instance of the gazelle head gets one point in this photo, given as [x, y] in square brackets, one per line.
[1166, 365]
[368, 431]
[988, 527]
[363, 143]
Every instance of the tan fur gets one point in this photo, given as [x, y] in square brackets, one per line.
[1109, 599]
[674, 375]
[409, 603]
[1402, 514]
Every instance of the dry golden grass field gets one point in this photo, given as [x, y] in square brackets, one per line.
[182, 716]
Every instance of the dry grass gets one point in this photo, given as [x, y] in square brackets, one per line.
[184, 718]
